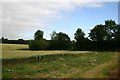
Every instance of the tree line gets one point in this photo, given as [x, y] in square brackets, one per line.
[101, 38]
[19, 41]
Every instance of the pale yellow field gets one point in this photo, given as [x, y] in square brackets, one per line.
[14, 51]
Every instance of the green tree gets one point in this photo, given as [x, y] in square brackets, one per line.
[110, 28]
[53, 35]
[38, 35]
[104, 32]
[98, 33]
[79, 37]
[38, 43]
[60, 41]
[105, 37]
[117, 33]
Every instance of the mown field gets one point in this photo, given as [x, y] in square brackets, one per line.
[19, 62]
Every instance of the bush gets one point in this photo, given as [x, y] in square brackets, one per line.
[38, 44]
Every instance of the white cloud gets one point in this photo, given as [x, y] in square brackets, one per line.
[20, 16]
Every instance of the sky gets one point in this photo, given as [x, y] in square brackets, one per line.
[22, 18]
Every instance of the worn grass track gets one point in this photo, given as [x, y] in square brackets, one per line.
[96, 72]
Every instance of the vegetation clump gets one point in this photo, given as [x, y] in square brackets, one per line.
[38, 43]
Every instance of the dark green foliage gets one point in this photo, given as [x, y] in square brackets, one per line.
[110, 28]
[80, 39]
[117, 33]
[38, 44]
[98, 33]
[106, 37]
[38, 35]
[53, 35]
[19, 41]
[106, 32]
[79, 35]
[59, 41]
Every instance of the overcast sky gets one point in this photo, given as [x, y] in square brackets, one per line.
[21, 18]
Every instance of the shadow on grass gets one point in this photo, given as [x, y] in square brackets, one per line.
[23, 49]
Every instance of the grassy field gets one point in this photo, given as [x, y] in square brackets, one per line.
[19, 51]
[19, 62]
